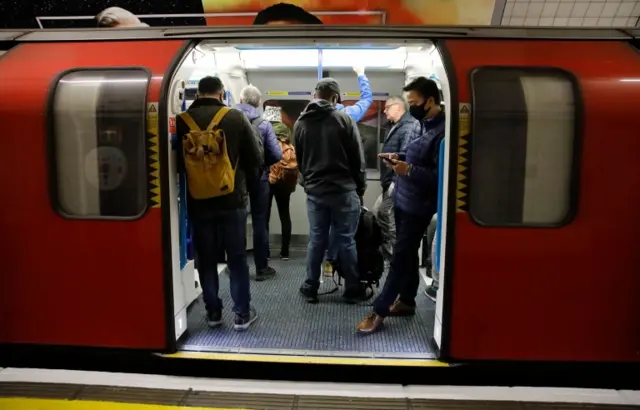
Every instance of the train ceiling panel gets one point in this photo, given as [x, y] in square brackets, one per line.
[206, 59]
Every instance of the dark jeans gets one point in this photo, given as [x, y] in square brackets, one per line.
[259, 196]
[341, 213]
[282, 194]
[403, 278]
[230, 229]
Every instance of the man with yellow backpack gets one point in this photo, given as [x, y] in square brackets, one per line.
[218, 150]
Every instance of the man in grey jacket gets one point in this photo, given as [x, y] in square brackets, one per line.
[405, 128]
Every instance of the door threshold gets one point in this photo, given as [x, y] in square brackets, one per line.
[328, 359]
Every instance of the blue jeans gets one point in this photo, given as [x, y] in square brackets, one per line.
[332, 252]
[259, 196]
[230, 229]
[341, 214]
[403, 278]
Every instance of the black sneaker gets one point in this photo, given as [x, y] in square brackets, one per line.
[214, 319]
[355, 295]
[309, 292]
[431, 292]
[242, 322]
[284, 256]
[266, 273]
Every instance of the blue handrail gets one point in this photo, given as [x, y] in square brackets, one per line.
[440, 200]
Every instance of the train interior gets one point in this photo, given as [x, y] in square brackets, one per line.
[286, 75]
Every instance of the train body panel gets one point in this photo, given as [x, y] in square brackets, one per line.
[558, 293]
[78, 282]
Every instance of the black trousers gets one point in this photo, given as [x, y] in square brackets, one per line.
[282, 195]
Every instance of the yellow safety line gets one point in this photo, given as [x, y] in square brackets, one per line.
[307, 359]
[44, 404]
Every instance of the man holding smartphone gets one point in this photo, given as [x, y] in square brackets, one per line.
[415, 201]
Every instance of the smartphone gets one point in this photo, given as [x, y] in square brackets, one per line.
[389, 160]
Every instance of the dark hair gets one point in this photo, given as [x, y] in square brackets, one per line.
[325, 94]
[285, 12]
[210, 85]
[425, 87]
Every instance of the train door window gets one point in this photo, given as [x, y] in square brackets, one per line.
[523, 147]
[98, 143]
[289, 111]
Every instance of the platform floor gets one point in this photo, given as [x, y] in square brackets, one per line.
[289, 325]
[41, 389]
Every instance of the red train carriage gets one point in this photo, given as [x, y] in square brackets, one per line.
[538, 249]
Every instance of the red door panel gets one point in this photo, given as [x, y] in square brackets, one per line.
[80, 282]
[568, 293]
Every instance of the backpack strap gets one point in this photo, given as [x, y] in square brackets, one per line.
[186, 117]
[218, 117]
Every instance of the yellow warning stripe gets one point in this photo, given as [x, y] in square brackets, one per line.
[154, 155]
[46, 404]
[266, 358]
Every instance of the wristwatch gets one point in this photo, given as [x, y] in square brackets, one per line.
[409, 170]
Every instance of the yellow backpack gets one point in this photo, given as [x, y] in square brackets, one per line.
[206, 158]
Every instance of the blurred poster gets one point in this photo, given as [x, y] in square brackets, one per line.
[402, 12]
[130, 13]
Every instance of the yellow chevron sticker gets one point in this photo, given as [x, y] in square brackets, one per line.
[464, 131]
[154, 157]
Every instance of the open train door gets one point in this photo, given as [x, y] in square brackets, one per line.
[82, 160]
[542, 204]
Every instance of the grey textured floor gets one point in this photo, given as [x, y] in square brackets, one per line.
[287, 324]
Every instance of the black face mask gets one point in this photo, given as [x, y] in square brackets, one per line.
[418, 112]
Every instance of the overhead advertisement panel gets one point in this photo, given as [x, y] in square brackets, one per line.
[406, 12]
[129, 13]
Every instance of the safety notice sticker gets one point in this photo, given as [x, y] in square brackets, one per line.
[465, 119]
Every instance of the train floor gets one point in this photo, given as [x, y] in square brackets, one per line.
[289, 325]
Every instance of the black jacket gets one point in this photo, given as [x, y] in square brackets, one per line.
[243, 149]
[405, 130]
[329, 151]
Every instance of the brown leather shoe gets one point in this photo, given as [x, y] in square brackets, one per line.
[401, 309]
[370, 324]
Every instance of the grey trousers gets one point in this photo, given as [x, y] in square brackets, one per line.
[431, 243]
[387, 223]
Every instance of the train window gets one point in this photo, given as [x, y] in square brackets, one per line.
[290, 110]
[370, 132]
[522, 147]
[99, 153]
[370, 126]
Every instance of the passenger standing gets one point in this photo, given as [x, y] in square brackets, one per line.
[283, 177]
[405, 128]
[415, 200]
[250, 99]
[356, 111]
[332, 167]
[225, 214]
